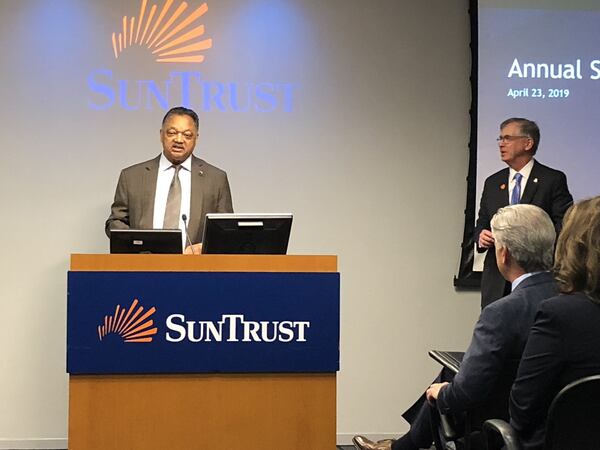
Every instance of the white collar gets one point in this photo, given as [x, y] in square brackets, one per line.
[165, 164]
[525, 170]
[522, 278]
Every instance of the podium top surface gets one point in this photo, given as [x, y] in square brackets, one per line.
[205, 263]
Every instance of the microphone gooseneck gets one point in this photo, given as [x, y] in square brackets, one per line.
[187, 234]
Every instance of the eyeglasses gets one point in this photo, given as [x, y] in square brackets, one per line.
[187, 135]
[509, 138]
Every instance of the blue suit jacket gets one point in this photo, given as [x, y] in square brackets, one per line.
[490, 363]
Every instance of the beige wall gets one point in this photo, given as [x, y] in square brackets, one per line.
[372, 162]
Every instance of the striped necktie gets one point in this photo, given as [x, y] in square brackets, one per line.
[515, 198]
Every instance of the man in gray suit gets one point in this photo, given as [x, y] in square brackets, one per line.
[157, 193]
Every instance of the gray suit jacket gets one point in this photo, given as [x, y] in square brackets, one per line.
[133, 206]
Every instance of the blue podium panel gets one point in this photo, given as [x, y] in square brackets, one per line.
[202, 322]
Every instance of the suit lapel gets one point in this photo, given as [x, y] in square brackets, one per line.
[197, 197]
[532, 184]
[500, 189]
[148, 181]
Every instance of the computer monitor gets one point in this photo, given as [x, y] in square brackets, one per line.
[145, 241]
[260, 234]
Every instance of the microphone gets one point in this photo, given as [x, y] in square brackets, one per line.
[187, 233]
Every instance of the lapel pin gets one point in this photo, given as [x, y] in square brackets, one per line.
[503, 186]
[535, 180]
[201, 173]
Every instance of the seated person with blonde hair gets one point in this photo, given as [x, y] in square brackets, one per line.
[564, 343]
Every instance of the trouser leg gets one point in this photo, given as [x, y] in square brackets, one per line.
[422, 417]
[420, 434]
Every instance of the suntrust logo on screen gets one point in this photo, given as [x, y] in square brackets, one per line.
[132, 325]
[162, 38]
[188, 89]
[176, 36]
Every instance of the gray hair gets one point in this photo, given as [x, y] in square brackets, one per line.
[527, 232]
[528, 128]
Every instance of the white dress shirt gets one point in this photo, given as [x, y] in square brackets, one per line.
[163, 183]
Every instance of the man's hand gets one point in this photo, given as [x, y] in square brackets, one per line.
[194, 249]
[434, 390]
[486, 239]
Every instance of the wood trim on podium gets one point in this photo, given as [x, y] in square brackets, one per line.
[204, 263]
[197, 412]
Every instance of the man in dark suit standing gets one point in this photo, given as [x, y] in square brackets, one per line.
[157, 193]
[524, 181]
[524, 250]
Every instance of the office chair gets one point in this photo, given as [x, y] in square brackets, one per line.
[572, 422]
[466, 432]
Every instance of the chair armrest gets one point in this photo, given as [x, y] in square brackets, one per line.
[448, 427]
[495, 428]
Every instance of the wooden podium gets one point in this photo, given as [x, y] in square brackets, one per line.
[289, 411]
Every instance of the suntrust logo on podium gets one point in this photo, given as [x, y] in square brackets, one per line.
[132, 325]
[173, 35]
[135, 325]
[235, 328]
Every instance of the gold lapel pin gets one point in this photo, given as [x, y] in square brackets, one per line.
[503, 186]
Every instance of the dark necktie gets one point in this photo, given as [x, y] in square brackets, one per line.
[515, 198]
[173, 208]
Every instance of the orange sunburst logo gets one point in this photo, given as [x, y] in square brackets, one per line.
[131, 324]
[172, 37]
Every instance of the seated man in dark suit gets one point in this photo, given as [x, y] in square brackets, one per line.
[524, 236]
